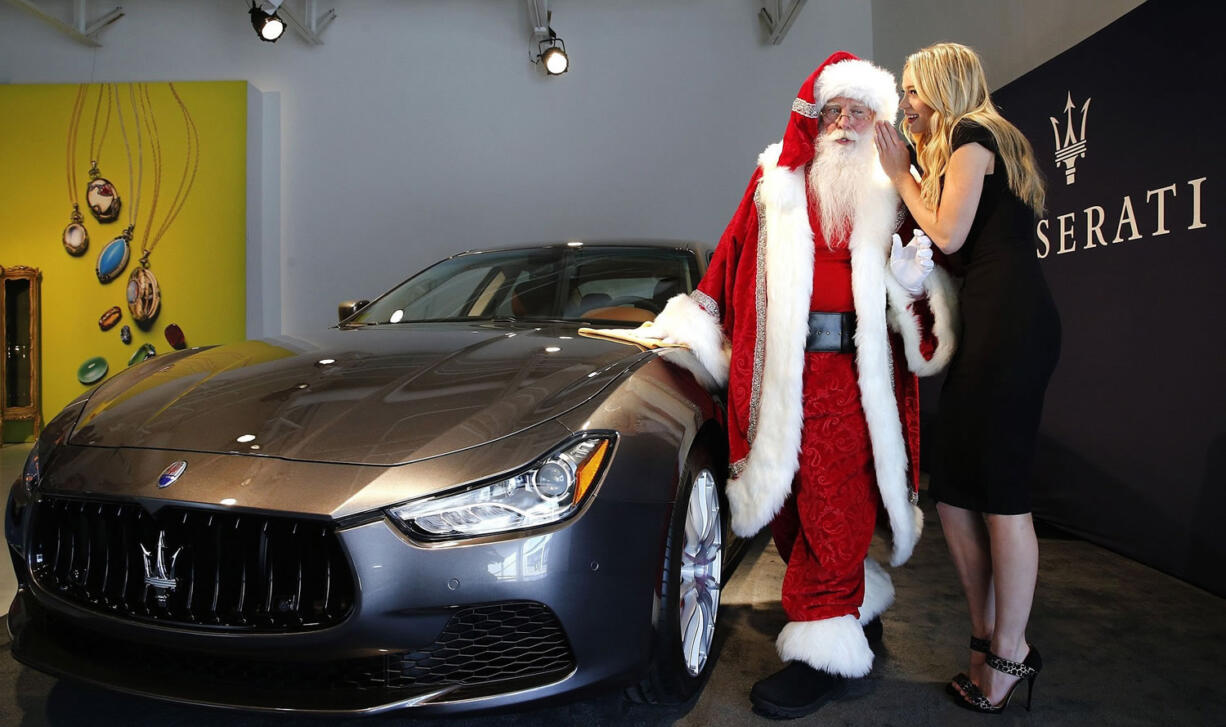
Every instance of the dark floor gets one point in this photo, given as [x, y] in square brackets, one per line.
[1122, 645]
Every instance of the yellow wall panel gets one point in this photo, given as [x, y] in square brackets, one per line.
[200, 262]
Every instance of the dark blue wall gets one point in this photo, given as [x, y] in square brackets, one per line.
[1133, 441]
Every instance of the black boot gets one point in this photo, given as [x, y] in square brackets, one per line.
[873, 631]
[795, 691]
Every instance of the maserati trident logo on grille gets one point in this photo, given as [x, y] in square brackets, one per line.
[160, 575]
[171, 473]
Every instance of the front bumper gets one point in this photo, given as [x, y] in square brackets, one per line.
[438, 629]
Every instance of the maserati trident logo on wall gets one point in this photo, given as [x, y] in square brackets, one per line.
[1072, 146]
[171, 473]
[160, 575]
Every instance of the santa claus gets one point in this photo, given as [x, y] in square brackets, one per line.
[816, 318]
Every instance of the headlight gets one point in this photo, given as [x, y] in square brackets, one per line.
[32, 470]
[550, 491]
[53, 435]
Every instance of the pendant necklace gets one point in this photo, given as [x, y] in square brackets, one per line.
[76, 237]
[100, 193]
[114, 257]
[144, 295]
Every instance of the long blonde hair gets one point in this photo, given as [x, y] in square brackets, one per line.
[949, 78]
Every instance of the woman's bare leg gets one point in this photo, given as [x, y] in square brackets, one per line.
[967, 537]
[1015, 568]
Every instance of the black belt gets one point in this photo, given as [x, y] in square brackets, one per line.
[833, 332]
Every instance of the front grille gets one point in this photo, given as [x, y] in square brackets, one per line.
[191, 568]
[482, 650]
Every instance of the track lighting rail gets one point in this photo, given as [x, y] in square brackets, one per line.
[81, 28]
[778, 19]
[311, 25]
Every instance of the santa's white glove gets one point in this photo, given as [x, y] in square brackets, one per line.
[912, 263]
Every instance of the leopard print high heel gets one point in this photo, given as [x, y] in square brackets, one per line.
[957, 686]
[1028, 670]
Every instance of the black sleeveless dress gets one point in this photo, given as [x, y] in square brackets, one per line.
[1010, 340]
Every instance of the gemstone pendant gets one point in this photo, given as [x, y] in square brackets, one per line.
[108, 319]
[102, 199]
[144, 297]
[112, 260]
[92, 370]
[145, 351]
[76, 239]
[174, 336]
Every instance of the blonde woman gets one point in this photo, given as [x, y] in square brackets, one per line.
[977, 199]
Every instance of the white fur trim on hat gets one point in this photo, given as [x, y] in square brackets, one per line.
[862, 81]
[833, 645]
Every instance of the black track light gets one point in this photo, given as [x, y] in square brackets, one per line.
[551, 53]
[267, 23]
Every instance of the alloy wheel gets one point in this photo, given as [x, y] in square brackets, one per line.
[701, 572]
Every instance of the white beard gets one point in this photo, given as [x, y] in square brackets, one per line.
[839, 177]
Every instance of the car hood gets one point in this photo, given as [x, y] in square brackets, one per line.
[378, 395]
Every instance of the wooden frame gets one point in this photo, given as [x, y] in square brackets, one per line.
[33, 409]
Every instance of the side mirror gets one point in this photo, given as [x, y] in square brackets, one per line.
[349, 307]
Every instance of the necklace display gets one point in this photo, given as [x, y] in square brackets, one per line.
[76, 237]
[100, 193]
[144, 295]
[114, 257]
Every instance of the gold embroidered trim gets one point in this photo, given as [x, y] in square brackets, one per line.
[759, 346]
[707, 303]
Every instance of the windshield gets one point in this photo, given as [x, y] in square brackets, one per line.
[629, 284]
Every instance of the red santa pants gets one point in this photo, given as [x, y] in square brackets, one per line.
[824, 529]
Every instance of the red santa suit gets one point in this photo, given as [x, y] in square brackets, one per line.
[818, 440]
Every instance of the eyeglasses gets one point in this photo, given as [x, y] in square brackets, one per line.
[831, 114]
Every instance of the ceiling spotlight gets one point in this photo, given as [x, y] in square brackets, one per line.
[551, 53]
[267, 23]
[555, 60]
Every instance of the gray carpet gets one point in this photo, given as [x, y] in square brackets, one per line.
[1122, 645]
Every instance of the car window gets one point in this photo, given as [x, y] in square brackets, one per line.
[447, 297]
[589, 283]
[475, 285]
[485, 299]
[643, 278]
[533, 293]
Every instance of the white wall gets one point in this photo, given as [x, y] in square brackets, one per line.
[263, 213]
[420, 128]
[1011, 36]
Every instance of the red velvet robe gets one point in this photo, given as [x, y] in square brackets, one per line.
[747, 323]
[753, 304]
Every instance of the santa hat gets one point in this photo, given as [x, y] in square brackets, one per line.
[842, 74]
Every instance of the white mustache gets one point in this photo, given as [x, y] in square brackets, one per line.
[836, 134]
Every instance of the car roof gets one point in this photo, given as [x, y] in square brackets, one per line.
[699, 248]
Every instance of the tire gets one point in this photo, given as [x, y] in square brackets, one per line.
[692, 578]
